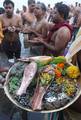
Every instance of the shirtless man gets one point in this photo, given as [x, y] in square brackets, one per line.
[28, 19]
[77, 21]
[41, 25]
[39, 29]
[28, 16]
[60, 34]
[11, 25]
[77, 17]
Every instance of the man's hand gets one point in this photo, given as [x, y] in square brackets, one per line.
[27, 30]
[41, 40]
[12, 29]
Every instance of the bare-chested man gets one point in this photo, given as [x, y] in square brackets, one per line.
[76, 21]
[28, 16]
[28, 19]
[11, 24]
[39, 29]
[60, 34]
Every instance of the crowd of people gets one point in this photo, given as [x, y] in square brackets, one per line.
[46, 31]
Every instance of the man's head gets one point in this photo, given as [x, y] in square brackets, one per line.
[40, 9]
[9, 7]
[31, 2]
[31, 5]
[61, 12]
[24, 8]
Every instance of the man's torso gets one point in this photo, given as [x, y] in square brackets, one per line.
[9, 22]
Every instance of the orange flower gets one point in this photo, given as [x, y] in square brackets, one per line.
[57, 72]
[60, 65]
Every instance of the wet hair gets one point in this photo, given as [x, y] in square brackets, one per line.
[31, 2]
[42, 5]
[7, 2]
[63, 9]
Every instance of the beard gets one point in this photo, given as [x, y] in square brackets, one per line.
[9, 14]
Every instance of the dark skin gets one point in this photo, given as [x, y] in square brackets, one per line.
[58, 42]
[41, 28]
[9, 20]
[28, 17]
[59, 39]
[64, 36]
[11, 23]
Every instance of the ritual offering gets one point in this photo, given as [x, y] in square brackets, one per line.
[43, 84]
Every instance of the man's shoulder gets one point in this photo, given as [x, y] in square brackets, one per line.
[64, 33]
[64, 29]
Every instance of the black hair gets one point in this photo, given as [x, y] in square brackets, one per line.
[42, 5]
[63, 9]
[31, 2]
[7, 2]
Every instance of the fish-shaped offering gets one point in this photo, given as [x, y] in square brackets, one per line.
[29, 73]
[44, 79]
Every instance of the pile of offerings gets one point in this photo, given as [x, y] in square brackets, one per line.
[43, 83]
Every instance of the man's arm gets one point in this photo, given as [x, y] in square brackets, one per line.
[45, 26]
[1, 19]
[44, 30]
[62, 38]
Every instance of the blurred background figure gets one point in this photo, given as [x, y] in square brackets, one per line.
[28, 19]
[17, 11]
[24, 9]
[2, 10]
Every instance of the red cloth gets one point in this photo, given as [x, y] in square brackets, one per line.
[56, 27]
